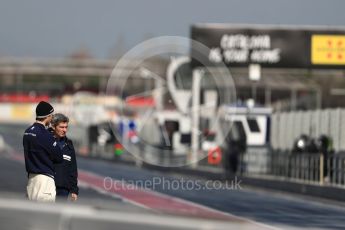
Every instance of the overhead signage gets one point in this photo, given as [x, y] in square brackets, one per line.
[268, 46]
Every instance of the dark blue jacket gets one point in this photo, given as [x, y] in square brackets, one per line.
[66, 172]
[40, 150]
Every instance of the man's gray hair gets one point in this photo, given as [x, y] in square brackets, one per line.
[58, 118]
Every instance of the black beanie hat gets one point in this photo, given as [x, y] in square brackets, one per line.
[44, 109]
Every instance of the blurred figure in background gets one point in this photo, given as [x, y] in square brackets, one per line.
[41, 152]
[66, 177]
[236, 145]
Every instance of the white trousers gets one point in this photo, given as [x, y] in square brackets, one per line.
[41, 188]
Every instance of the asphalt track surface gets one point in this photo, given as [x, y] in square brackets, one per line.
[115, 187]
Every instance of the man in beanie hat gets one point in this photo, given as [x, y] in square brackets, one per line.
[41, 152]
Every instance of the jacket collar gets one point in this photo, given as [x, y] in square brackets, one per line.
[65, 138]
[39, 124]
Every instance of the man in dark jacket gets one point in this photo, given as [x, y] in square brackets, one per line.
[40, 152]
[66, 177]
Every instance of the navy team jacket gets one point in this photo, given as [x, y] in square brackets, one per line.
[66, 172]
[41, 150]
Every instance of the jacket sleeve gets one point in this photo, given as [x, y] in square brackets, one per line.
[50, 145]
[73, 176]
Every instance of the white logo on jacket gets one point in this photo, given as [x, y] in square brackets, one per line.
[66, 157]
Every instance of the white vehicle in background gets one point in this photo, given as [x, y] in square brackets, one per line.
[254, 120]
[169, 130]
[172, 130]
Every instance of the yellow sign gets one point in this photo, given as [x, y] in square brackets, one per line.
[328, 49]
[22, 112]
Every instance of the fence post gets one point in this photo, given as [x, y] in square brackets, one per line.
[321, 169]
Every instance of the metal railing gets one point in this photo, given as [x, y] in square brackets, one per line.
[335, 173]
[308, 167]
[305, 167]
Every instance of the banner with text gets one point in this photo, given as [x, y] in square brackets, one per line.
[276, 47]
